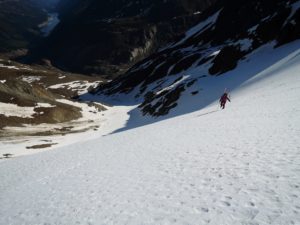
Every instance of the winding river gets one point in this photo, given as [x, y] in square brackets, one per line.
[48, 26]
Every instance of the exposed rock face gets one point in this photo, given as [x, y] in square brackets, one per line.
[226, 60]
[229, 31]
[19, 22]
[107, 37]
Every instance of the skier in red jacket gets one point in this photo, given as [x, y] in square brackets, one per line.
[224, 99]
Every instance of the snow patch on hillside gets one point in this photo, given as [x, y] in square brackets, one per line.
[31, 79]
[9, 67]
[173, 85]
[8, 110]
[80, 86]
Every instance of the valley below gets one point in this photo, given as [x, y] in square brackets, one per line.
[41, 102]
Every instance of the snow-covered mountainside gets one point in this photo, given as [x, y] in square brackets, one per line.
[230, 37]
[209, 166]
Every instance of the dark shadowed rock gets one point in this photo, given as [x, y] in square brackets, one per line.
[291, 30]
[226, 60]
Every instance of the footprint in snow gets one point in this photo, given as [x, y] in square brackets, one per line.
[226, 203]
[205, 210]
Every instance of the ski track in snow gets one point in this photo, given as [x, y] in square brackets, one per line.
[231, 167]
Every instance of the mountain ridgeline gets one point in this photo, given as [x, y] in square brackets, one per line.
[108, 37]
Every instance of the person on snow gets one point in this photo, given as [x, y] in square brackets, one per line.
[224, 99]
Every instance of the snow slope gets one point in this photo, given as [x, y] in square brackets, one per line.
[92, 125]
[221, 167]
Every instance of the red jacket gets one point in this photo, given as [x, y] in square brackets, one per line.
[224, 98]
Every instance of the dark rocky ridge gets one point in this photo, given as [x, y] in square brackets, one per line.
[238, 22]
[107, 37]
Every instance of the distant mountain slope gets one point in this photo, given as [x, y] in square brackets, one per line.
[40, 98]
[231, 33]
[107, 37]
[19, 22]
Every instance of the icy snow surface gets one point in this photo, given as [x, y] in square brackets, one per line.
[235, 166]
